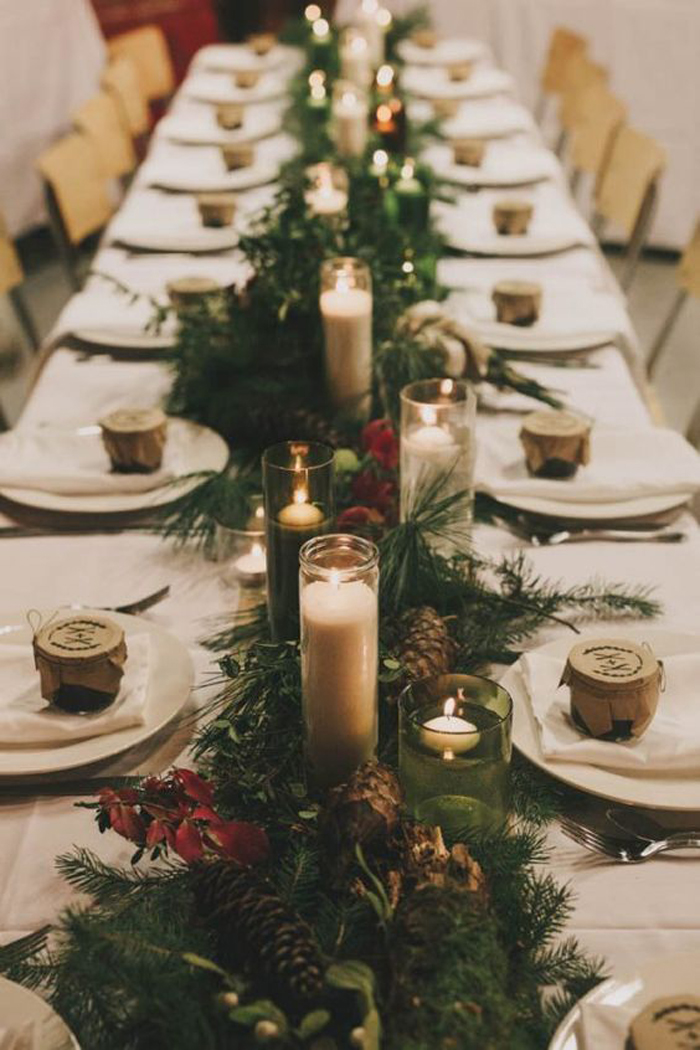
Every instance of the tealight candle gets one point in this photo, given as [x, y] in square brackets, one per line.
[448, 733]
[251, 568]
[298, 483]
[312, 12]
[412, 200]
[320, 41]
[438, 418]
[349, 112]
[346, 309]
[325, 198]
[339, 654]
[241, 550]
[355, 64]
[389, 123]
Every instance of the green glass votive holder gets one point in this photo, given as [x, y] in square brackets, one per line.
[454, 752]
[298, 485]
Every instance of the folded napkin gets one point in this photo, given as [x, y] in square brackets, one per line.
[174, 167]
[72, 463]
[488, 118]
[605, 1027]
[219, 88]
[445, 52]
[671, 742]
[145, 276]
[194, 125]
[504, 164]
[27, 719]
[104, 308]
[625, 464]
[435, 83]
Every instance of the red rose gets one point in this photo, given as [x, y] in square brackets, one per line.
[245, 843]
[371, 491]
[379, 440]
[360, 516]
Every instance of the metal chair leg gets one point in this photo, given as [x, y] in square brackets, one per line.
[24, 317]
[665, 331]
[639, 236]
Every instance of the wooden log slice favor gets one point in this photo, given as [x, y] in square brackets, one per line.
[216, 209]
[556, 443]
[135, 438]
[80, 661]
[517, 302]
[512, 217]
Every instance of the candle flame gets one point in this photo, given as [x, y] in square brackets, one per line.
[312, 12]
[301, 494]
[257, 551]
[348, 97]
[407, 266]
[358, 44]
[428, 415]
[408, 170]
[450, 707]
[383, 113]
[385, 76]
[384, 17]
[343, 283]
[317, 78]
[320, 28]
[318, 91]
[370, 6]
[260, 512]
[447, 387]
[380, 158]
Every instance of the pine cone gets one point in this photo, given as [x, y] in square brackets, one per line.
[425, 647]
[270, 424]
[364, 811]
[258, 932]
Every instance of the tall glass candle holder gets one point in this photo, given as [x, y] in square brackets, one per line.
[438, 424]
[298, 482]
[327, 195]
[350, 118]
[355, 58]
[346, 309]
[455, 750]
[338, 594]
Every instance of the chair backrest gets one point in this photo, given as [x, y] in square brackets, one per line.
[580, 75]
[148, 50]
[563, 45]
[636, 162]
[121, 79]
[689, 269]
[72, 170]
[100, 121]
[10, 267]
[601, 115]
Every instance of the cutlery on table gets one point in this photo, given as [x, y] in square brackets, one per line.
[624, 849]
[641, 825]
[134, 607]
[541, 536]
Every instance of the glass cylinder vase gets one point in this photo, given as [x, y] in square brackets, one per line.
[338, 595]
[455, 750]
[298, 482]
[438, 424]
[346, 309]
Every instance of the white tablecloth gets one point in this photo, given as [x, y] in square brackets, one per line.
[51, 56]
[624, 914]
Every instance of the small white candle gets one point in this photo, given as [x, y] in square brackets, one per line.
[350, 124]
[339, 674]
[251, 567]
[300, 513]
[448, 733]
[355, 64]
[347, 326]
[326, 199]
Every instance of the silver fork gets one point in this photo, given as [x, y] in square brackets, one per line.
[626, 851]
[131, 607]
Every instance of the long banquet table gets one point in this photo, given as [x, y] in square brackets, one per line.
[625, 914]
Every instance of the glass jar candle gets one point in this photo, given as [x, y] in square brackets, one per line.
[389, 123]
[241, 550]
[350, 114]
[328, 193]
[338, 595]
[346, 310]
[438, 424]
[298, 482]
[455, 750]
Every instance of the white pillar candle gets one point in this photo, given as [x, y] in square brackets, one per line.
[350, 124]
[347, 326]
[339, 630]
[449, 734]
[373, 22]
[355, 64]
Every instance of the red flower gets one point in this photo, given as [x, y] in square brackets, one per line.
[194, 786]
[380, 441]
[245, 843]
[127, 823]
[371, 491]
[188, 842]
[360, 516]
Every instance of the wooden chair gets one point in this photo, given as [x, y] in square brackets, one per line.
[121, 80]
[76, 196]
[600, 118]
[148, 50]
[627, 193]
[688, 280]
[100, 121]
[563, 45]
[580, 75]
[11, 277]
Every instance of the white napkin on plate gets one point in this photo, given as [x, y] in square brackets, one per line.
[219, 88]
[193, 124]
[427, 82]
[104, 308]
[70, 463]
[27, 719]
[671, 742]
[488, 118]
[175, 167]
[625, 464]
[504, 164]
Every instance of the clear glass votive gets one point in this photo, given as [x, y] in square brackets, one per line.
[338, 599]
[438, 425]
[298, 483]
[346, 309]
[241, 550]
[454, 751]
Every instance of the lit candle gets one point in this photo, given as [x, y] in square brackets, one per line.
[300, 514]
[374, 21]
[384, 81]
[312, 12]
[320, 41]
[346, 309]
[325, 199]
[448, 733]
[339, 660]
[318, 96]
[251, 568]
[412, 200]
[355, 59]
[390, 124]
[350, 113]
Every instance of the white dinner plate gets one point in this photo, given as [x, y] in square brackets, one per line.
[513, 246]
[219, 89]
[180, 236]
[435, 84]
[659, 790]
[489, 118]
[658, 977]
[169, 683]
[126, 338]
[445, 52]
[641, 507]
[203, 129]
[198, 449]
[504, 164]
[192, 181]
[19, 1005]
[234, 58]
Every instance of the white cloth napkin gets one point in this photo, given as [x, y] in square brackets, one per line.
[233, 57]
[103, 307]
[219, 88]
[504, 164]
[426, 82]
[27, 719]
[445, 52]
[605, 1027]
[193, 124]
[671, 742]
[178, 167]
[625, 464]
[71, 463]
[488, 118]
